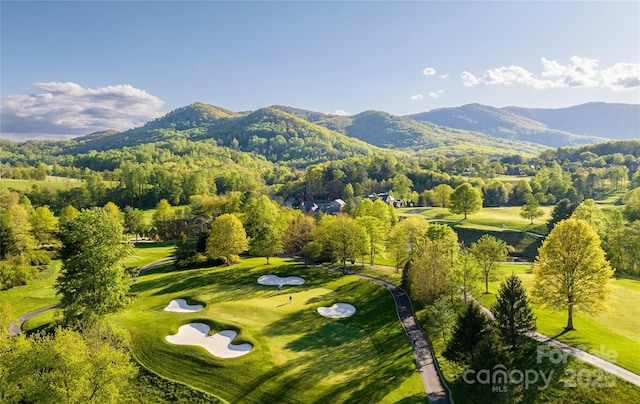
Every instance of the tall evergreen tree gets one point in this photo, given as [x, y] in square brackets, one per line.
[511, 312]
[470, 328]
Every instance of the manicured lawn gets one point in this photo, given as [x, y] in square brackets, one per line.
[298, 355]
[617, 328]
[146, 253]
[508, 216]
[559, 390]
[35, 295]
[51, 182]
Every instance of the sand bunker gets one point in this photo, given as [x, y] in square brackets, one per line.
[218, 344]
[338, 310]
[276, 280]
[181, 306]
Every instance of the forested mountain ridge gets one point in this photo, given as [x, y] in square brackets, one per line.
[614, 121]
[396, 132]
[580, 124]
[299, 137]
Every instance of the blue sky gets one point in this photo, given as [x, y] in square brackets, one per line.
[70, 68]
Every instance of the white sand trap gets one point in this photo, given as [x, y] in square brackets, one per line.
[218, 344]
[181, 306]
[338, 310]
[276, 280]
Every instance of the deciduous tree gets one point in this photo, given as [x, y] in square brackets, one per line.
[93, 281]
[531, 210]
[571, 270]
[441, 194]
[227, 238]
[465, 199]
[489, 251]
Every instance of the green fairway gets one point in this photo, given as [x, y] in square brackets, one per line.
[615, 329]
[146, 253]
[51, 182]
[35, 295]
[297, 356]
[508, 216]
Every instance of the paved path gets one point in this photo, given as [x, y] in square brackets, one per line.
[586, 357]
[154, 264]
[432, 379]
[15, 327]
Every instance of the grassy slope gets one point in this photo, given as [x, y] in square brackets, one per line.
[298, 355]
[51, 182]
[617, 328]
[35, 295]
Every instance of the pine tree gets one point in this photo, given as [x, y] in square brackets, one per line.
[511, 312]
[471, 327]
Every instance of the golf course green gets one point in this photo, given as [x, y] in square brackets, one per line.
[297, 354]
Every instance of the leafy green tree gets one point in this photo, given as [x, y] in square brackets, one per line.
[563, 210]
[162, 218]
[93, 281]
[96, 188]
[465, 199]
[66, 367]
[66, 214]
[264, 228]
[571, 270]
[632, 206]
[405, 237]
[443, 314]
[429, 274]
[591, 213]
[496, 194]
[43, 225]
[531, 210]
[134, 222]
[470, 328]
[366, 209]
[402, 186]
[298, 236]
[441, 195]
[347, 237]
[511, 311]
[376, 235]
[466, 272]
[631, 246]
[227, 238]
[114, 211]
[15, 232]
[521, 192]
[489, 251]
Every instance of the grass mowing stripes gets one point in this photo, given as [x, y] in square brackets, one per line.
[298, 356]
[617, 328]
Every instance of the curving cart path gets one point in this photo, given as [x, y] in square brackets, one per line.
[585, 356]
[432, 379]
[15, 327]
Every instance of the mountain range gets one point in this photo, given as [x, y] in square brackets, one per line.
[580, 124]
[294, 135]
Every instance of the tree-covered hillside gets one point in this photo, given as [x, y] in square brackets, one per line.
[396, 132]
[503, 123]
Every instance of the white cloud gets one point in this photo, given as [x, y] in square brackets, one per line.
[444, 76]
[429, 71]
[416, 97]
[621, 76]
[70, 109]
[340, 112]
[581, 72]
[436, 94]
[468, 79]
